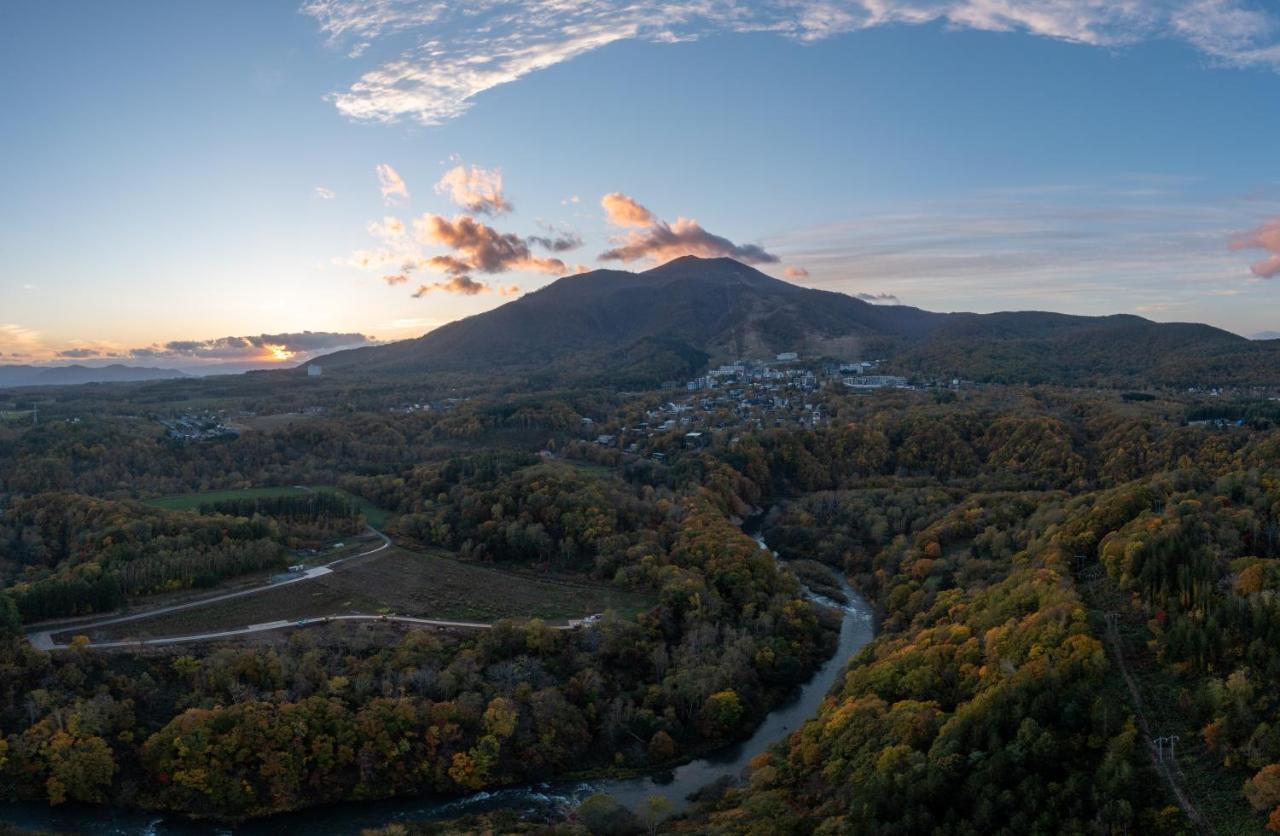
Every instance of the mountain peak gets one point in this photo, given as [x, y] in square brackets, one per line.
[625, 329]
[687, 261]
[718, 269]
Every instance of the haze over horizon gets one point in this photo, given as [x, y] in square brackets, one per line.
[342, 172]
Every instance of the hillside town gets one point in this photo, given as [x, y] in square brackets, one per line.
[742, 396]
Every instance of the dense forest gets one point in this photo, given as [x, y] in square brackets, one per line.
[989, 704]
[991, 530]
[213, 734]
[69, 554]
[65, 554]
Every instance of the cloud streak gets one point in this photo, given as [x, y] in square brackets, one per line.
[464, 49]
[657, 240]
[1093, 250]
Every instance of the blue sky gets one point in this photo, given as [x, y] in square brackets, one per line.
[184, 180]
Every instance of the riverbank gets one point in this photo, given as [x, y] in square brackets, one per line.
[675, 785]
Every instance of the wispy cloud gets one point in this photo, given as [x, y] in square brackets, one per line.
[794, 272]
[463, 49]
[18, 341]
[1092, 250]
[475, 189]
[653, 238]
[359, 22]
[391, 184]
[324, 194]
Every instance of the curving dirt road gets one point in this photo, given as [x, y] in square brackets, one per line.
[43, 638]
[280, 625]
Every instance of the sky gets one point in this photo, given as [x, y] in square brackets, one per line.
[209, 185]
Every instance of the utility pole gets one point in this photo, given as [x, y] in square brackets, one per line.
[1161, 743]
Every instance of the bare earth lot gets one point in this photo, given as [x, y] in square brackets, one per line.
[395, 581]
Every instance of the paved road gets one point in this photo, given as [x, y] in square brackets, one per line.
[43, 639]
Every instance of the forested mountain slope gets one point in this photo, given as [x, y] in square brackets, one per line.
[668, 323]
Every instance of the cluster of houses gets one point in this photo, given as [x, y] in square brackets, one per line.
[876, 381]
[749, 394]
[439, 406]
[856, 375]
[197, 426]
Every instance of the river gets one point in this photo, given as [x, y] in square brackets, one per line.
[856, 630]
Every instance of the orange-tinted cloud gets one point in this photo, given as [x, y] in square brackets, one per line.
[395, 278]
[464, 285]
[479, 248]
[391, 184]
[624, 211]
[475, 190]
[661, 241]
[1265, 237]
[18, 340]
[795, 272]
[268, 346]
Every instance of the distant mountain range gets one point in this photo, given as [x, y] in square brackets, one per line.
[75, 374]
[671, 322]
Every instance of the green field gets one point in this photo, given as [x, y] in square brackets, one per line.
[427, 585]
[377, 517]
[15, 415]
